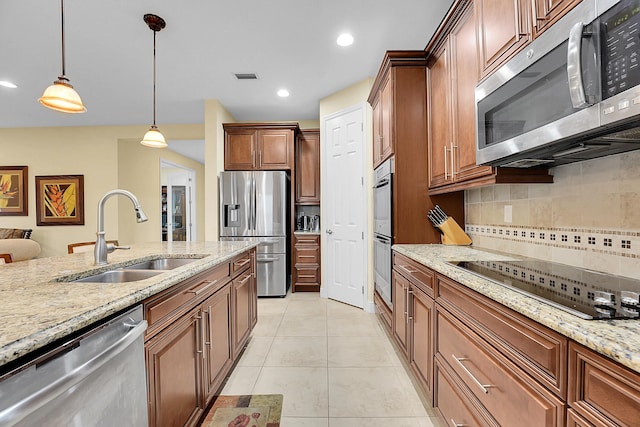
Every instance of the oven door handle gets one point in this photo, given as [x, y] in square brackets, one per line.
[382, 183]
[574, 69]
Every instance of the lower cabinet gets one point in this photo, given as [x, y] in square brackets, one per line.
[412, 319]
[197, 330]
[174, 369]
[487, 365]
[306, 263]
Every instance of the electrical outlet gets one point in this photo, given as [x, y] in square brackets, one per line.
[508, 213]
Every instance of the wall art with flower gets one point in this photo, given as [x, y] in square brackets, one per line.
[13, 190]
[60, 200]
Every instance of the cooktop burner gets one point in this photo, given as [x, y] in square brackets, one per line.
[584, 293]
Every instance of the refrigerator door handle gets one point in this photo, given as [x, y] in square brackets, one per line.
[252, 203]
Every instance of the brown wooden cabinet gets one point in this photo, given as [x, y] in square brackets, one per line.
[452, 77]
[413, 310]
[174, 372]
[505, 27]
[306, 263]
[401, 83]
[382, 105]
[197, 329]
[601, 392]
[254, 146]
[308, 167]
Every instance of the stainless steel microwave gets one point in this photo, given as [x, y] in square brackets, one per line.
[572, 94]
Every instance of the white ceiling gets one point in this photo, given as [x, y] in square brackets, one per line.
[288, 43]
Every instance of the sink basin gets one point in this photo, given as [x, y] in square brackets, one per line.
[119, 276]
[161, 264]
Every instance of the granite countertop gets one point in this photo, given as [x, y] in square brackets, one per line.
[617, 339]
[38, 307]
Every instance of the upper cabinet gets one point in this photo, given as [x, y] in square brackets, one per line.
[382, 110]
[506, 26]
[453, 73]
[251, 146]
[308, 167]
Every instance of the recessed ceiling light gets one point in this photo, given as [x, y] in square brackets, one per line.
[283, 93]
[345, 39]
[7, 84]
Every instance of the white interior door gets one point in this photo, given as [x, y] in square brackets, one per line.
[344, 207]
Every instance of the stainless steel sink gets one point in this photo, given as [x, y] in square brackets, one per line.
[120, 276]
[161, 264]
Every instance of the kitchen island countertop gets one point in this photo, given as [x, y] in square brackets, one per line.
[39, 304]
[617, 339]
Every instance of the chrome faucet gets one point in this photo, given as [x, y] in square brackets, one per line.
[101, 248]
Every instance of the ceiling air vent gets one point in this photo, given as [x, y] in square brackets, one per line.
[246, 76]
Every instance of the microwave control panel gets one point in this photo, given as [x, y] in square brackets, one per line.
[620, 29]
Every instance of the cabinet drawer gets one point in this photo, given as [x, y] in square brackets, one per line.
[502, 388]
[538, 350]
[241, 263]
[575, 420]
[307, 254]
[602, 391]
[182, 297]
[311, 239]
[454, 406]
[307, 275]
[417, 273]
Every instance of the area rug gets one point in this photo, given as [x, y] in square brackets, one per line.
[257, 410]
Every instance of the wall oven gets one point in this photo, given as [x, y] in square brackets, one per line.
[572, 94]
[383, 229]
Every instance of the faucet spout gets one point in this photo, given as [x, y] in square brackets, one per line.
[101, 249]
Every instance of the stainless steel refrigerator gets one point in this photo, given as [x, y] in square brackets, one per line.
[253, 204]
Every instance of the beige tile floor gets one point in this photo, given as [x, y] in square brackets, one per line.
[332, 362]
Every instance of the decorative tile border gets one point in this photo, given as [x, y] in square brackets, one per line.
[622, 243]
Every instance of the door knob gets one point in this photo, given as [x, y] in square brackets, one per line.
[329, 231]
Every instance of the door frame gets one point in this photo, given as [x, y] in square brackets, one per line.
[367, 305]
[190, 175]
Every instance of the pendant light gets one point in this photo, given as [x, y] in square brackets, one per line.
[153, 137]
[61, 96]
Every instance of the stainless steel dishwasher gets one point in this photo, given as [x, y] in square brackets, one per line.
[96, 379]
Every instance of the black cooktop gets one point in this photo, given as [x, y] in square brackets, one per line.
[584, 293]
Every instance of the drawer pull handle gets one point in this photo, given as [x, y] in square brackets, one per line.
[306, 256]
[455, 424]
[306, 276]
[243, 281]
[243, 263]
[483, 387]
[408, 270]
[199, 291]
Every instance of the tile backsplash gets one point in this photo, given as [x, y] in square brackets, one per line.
[589, 217]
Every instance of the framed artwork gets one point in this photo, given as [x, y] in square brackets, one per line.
[13, 190]
[60, 200]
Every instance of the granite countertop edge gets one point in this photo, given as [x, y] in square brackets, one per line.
[616, 339]
[30, 294]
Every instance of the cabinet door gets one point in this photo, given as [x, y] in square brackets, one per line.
[464, 72]
[400, 294]
[308, 168]
[217, 338]
[275, 149]
[546, 12]
[254, 290]
[386, 119]
[377, 131]
[439, 97]
[421, 348]
[503, 29]
[241, 317]
[240, 149]
[174, 365]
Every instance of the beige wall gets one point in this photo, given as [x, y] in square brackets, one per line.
[356, 94]
[92, 152]
[589, 217]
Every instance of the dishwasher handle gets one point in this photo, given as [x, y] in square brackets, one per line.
[30, 404]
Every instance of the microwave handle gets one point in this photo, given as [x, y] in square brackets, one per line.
[574, 70]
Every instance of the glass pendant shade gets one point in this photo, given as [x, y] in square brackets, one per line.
[153, 138]
[61, 96]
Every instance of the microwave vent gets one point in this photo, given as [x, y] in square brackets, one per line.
[527, 163]
[631, 135]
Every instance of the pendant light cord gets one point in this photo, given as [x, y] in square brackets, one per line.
[154, 78]
[62, 19]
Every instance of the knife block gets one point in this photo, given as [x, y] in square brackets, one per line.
[452, 234]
